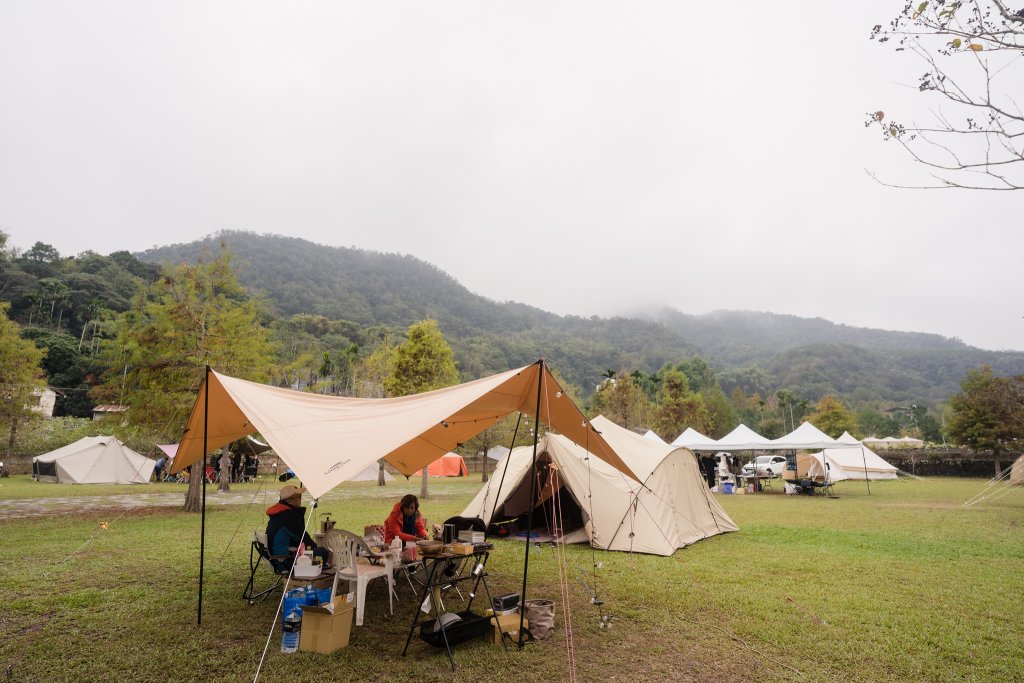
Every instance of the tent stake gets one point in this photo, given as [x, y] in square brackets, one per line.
[533, 496]
[202, 527]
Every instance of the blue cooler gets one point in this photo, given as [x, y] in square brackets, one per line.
[727, 487]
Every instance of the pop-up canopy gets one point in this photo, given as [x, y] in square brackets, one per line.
[328, 439]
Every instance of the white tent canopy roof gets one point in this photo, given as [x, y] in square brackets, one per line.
[806, 437]
[847, 438]
[743, 438]
[689, 437]
[649, 434]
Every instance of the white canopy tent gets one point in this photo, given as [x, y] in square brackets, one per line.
[93, 460]
[743, 438]
[840, 459]
[804, 438]
[690, 437]
[672, 509]
[649, 434]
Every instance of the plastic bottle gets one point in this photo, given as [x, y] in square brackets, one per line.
[291, 629]
[396, 546]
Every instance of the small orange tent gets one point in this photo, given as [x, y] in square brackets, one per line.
[448, 465]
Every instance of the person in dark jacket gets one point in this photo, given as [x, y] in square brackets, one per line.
[286, 528]
[405, 521]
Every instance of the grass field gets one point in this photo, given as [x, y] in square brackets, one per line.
[901, 585]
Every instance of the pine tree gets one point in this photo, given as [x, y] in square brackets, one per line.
[423, 362]
[195, 315]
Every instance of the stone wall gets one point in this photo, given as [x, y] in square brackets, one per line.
[948, 462]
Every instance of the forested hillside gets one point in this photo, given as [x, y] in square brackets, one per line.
[368, 288]
[759, 352]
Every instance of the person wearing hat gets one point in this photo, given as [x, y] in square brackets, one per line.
[286, 528]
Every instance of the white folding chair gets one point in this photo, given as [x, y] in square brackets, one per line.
[346, 548]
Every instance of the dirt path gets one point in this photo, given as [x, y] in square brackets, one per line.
[46, 507]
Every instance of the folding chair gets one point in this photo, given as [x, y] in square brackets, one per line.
[259, 554]
[345, 549]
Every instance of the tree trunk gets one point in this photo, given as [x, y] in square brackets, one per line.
[483, 467]
[999, 470]
[13, 436]
[194, 495]
[380, 473]
[424, 489]
[224, 483]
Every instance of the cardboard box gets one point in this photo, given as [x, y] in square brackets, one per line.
[504, 623]
[326, 632]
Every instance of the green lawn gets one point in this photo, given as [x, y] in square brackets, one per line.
[902, 585]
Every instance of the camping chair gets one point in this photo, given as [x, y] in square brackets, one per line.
[259, 554]
[345, 549]
[248, 473]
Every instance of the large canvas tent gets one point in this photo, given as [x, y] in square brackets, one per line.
[672, 509]
[93, 460]
[448, 465]
[372, 473]
[1017, 472]
[851, 463]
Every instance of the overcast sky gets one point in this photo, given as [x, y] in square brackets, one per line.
[585, 158]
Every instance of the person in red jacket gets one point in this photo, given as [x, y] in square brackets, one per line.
[405, 521]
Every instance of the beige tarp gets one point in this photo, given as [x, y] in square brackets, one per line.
[673, 508]
[328, 439]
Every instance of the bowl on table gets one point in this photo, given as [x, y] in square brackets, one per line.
[430, 547]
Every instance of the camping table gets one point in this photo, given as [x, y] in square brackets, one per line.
[448, 570]
[756, 479]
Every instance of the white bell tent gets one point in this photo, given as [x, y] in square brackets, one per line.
[93, 460]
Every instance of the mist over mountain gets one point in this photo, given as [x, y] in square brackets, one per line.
[757, 351]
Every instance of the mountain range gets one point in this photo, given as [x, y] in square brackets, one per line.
[756, 351]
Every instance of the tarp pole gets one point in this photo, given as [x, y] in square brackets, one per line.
[533, 496]
[508, 459]
[864, 457]
[202, 528]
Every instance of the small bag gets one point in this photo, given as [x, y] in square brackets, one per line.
[541, 615]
